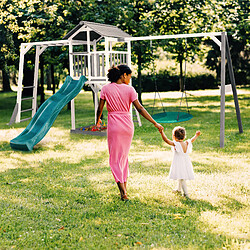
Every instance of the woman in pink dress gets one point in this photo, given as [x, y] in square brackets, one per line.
[119, 95]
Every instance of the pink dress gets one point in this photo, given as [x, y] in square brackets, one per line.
[120, 127]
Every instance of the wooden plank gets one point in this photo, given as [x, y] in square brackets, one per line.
[103, 65]
[81, 66]
[78, 66]
[222, 89]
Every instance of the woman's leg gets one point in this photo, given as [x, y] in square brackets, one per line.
[122, 189]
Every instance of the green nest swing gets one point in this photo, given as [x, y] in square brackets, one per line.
[172, 117]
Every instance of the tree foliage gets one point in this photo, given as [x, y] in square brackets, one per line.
[35, 20]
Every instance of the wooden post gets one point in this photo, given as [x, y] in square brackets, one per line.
[88, 51]
[222, 89]
[23, 51]
[39, 51]
[71, 73]
[34, 101]
[232, 80]
[106, 56]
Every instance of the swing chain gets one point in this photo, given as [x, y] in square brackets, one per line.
[155, 83]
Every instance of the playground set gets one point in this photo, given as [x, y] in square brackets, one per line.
[90, 67]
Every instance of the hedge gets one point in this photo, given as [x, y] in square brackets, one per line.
[167, 82]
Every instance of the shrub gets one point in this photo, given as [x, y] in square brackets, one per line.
[167, 82]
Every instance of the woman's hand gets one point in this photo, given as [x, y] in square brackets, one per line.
[160, 128]
[98, 124]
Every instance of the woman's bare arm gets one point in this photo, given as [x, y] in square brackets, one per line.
[146, 115]
[99, 111]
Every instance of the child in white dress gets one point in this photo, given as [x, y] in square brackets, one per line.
[181, 168]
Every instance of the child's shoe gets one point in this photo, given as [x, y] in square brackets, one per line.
[186, 196]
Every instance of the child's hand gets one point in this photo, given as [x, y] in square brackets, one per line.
[160, 128]
[198, 133]
[161, 131]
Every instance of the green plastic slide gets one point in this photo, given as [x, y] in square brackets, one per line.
[46, 115]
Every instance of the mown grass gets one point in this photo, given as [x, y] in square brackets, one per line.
[62, 194]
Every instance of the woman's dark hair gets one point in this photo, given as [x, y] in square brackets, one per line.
[115, 72]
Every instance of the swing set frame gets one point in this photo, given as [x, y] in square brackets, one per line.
[225, 57]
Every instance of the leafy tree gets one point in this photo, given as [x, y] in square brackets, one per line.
[233, 17]
[180, 17]
[5, 55]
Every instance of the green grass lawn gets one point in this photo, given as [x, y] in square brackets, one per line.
[63, 195]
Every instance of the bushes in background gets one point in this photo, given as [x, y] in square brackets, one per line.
[167, 82]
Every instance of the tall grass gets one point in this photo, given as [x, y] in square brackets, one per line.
[62, 194]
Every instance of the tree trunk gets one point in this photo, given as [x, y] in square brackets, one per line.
[47, 73]
[181, 82]
[53, 79]
[6, 79]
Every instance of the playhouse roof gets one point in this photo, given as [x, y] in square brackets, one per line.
[97, 30]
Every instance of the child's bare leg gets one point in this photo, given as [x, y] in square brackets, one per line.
[178, 190]
[184, 187]
[179, 185]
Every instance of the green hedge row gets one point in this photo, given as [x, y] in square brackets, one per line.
[167, 82]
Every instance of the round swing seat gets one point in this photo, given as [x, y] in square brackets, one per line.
[172, 117]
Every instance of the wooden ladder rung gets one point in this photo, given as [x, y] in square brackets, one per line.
[25, 110]
[28, 98]
[28, 87]
[26, 119]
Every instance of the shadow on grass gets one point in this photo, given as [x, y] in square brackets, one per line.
[232, 204]
[199, 205]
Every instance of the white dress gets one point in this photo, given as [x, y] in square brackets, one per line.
[181, 167]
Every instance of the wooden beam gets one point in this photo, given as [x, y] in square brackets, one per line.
[232, 80]
[222, 89]
[140, 38]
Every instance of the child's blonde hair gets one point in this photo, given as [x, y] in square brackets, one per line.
[179, 133]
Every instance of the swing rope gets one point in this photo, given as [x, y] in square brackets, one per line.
[155, 82]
